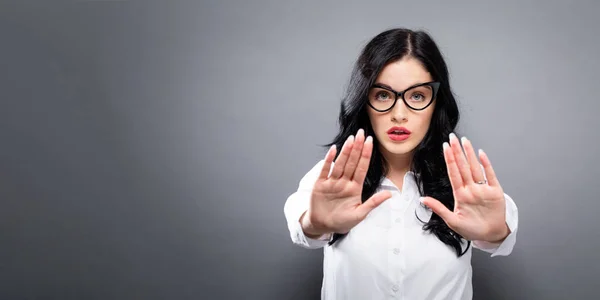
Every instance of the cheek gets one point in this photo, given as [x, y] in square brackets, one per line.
[425, 123]
[379, 126]
[374, 120]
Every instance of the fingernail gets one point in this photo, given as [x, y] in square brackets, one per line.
[445, 145]
[350, 138]
[463, 139]
[452, 135]
[369, 139]
[360, 131]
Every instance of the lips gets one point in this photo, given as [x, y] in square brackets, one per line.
[398, 133]
[398, 130]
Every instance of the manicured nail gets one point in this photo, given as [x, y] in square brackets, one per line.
[360, 131]
[445, 145]
[463, 139]
[369, 139]
[452, 135]
[347, 142]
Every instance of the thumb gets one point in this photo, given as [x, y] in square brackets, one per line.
[440, 210]
[364, 209]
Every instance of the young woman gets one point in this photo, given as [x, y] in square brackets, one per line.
[398, 202]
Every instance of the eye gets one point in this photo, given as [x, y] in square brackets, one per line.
[417, 97]
[419, 94]
[382, 96]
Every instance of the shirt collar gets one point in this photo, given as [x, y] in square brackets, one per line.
[409, 182]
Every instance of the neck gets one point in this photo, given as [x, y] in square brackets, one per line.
[398, 166]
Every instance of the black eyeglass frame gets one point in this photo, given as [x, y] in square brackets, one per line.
[435, 85]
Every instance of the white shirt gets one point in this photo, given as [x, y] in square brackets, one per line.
[388, 255]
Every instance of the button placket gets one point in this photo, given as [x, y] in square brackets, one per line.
[395, 248]
[393, 252]
[402, 249]
[396, 202]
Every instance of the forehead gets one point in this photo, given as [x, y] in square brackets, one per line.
[403, 73]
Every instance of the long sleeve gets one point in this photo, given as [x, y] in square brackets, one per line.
[512, 220]
[296, 204]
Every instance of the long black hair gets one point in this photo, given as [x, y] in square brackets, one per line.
[428, 163]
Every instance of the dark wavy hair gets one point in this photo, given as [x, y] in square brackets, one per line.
[428, 163]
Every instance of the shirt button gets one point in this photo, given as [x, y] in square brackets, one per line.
[395, 288]
[396, 251]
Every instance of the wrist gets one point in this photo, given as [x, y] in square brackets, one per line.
[309, 228]
[500, 236]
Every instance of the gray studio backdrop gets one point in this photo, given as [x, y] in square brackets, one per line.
[147, 148]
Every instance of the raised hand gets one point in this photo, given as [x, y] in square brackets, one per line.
[479, 205]
[335, 204]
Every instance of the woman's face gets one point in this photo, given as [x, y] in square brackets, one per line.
[389, 126]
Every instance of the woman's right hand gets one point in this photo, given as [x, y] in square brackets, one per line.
[335, 204]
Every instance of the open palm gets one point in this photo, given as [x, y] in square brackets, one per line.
[336, 204]
[479, 204]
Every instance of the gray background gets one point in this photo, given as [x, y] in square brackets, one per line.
[147, 148]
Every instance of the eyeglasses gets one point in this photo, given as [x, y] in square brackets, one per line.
[417, 97]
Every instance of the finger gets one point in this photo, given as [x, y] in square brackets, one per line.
[374, 201]
[453, 172]
[327, 165]
[476, 170]
[489, 170]
[363, 163]
[354, 155]
[441, 210]
[340, 162]
[459, 157]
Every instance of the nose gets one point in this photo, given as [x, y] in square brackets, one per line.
[400, 111]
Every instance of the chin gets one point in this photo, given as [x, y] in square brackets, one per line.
[399, 149]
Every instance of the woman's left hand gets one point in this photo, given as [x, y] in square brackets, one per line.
[479, 205]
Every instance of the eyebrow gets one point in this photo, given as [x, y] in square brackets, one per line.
[384, 85]
[389, 87]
